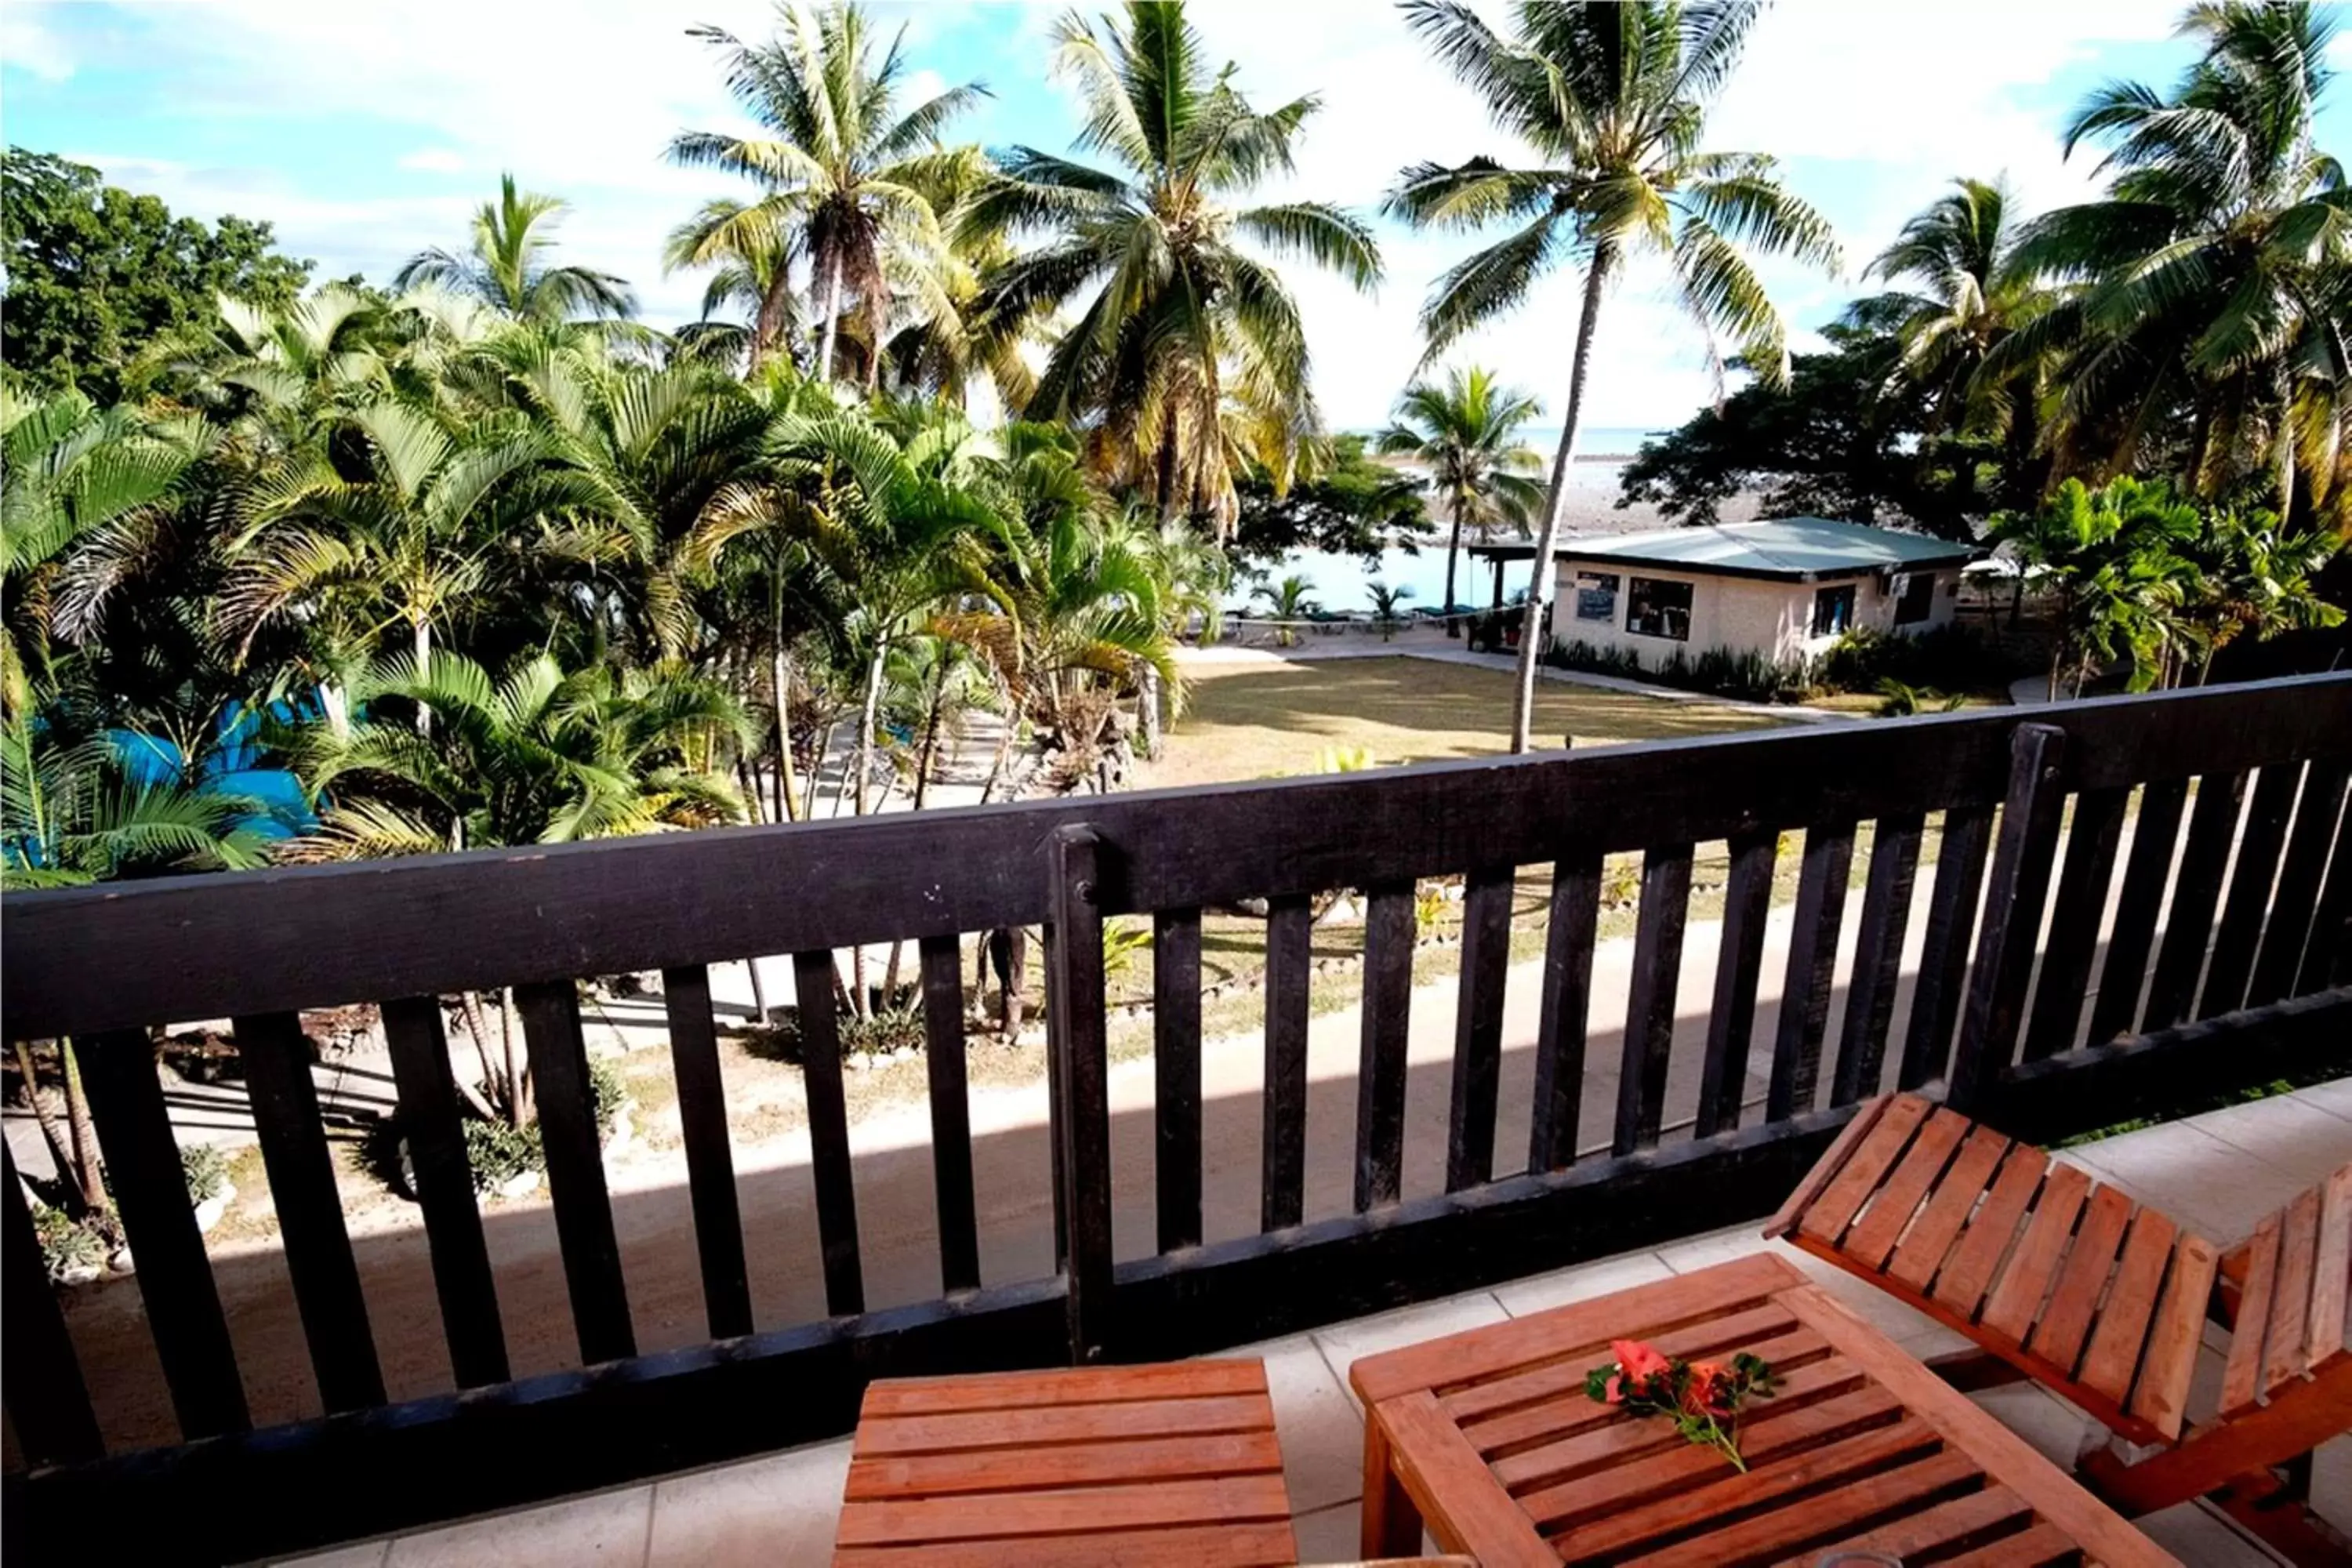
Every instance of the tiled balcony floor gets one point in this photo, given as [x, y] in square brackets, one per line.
[2218, 1173]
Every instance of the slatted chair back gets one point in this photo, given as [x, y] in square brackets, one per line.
[2090, 1294]
[2101, 1299]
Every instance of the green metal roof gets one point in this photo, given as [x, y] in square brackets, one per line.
[1793, 548]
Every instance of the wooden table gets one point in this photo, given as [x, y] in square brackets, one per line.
[1174, 1465]
[1489, 1437]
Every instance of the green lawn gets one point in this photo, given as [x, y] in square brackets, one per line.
[1254, 721]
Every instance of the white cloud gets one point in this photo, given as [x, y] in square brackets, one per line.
[1837, 88]
[27, 44]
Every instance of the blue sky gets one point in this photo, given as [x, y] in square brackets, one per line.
[366, 130]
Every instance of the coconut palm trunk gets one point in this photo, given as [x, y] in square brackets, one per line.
[80, 1131]
[421, 635]
[832, 316]
[1539, 586]
[1452, 558]
[768, 330]
[780, 671]
[60, 1153]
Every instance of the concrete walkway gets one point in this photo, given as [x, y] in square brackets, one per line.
[2218, 1171]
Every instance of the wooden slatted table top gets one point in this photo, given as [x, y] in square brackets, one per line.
[1489, 1437]
[1174, 1465]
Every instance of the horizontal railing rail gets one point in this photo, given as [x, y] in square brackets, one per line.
[2047, 991]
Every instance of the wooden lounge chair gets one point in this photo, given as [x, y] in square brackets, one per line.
[2107, 1303]
[1173, 1465]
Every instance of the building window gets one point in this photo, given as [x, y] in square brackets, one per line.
[1832, 610]
[1655, 608]
[1914, 597]
[1596, 596]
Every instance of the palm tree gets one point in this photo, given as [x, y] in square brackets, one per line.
[754, 260]
[843, 173]
[659, 469]
[1969, 295]
[69, 475]
[1387, 605]
[1189, 358]
[2208, 282]
[2113, 558]
[541, 756]
[74, 814]
[2255, 575]
[1467, 434]
[1614, 99]
[1285, 602]
[505, 266]
[411, 544]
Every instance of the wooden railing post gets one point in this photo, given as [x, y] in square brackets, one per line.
[1075, 1028]
[49, 1402]
[2012, 925]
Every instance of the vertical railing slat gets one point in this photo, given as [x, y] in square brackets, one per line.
[947, 1076]
[709, 1158]
[1389, 930]
[2012, 926]
[575, 1170]
[828, 1115]
[2300, 875]
[276, 1054]
[1878, 957]
[150, 1194]
[2327, 957]
[1289, 932]
[2196, 895]
[1804, 1018]
[2079, 904]
[49, 1402]
[1960, 852]
[1478, 1027]
[1738, 970]
[1565, 1015]
[2250, 881]
[1176, 1074]
[1650, 999]
[1078, 1035]
[2156, 833]
[444, 1191]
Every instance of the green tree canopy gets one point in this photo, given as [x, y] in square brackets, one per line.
[1353, 506]
[95, 272]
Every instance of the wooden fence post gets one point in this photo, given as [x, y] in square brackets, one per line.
[2011, 927]
[1081, 1107]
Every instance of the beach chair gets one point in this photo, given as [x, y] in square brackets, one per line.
[2107, 1303]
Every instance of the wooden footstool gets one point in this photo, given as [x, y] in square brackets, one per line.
[1489, 1437]
[1171, 1464]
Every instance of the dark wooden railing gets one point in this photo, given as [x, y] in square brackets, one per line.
[2264, 882]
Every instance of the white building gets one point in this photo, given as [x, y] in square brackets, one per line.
[1784, 587]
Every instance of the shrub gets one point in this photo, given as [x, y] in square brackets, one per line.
[498, 1153]
[892, 1026]
[1948, 658]
[67, 1244]
[1746, 676]
[1578, 654]
[204, 1171]
[1121, 943]
[885, 1030]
